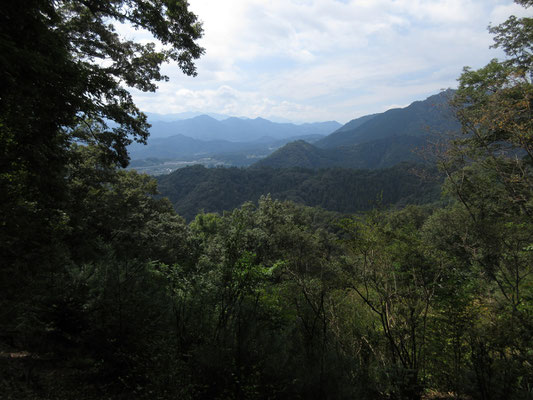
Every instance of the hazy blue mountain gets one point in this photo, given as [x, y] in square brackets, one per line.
[181, 146]
[373, 141]
[232, 153]
[234, 129]
[421, 118]
[153, 117]
[199, 127]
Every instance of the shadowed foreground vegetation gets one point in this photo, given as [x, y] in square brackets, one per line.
[106, 292]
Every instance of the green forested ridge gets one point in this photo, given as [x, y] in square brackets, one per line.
[194, 189]
[430, 116]
[106, 292]
[375, 154]
[375, 141]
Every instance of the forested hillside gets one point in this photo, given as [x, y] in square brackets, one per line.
[195, 189]
[375, 154]
[106, 292]
[376, 141]
[422, 118]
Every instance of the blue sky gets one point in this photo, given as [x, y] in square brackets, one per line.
[318, 60]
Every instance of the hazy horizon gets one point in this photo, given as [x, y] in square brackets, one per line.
[321, 60]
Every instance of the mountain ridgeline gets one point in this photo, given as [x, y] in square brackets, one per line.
[374, 141]
[204, 127]
[106, 292]
[421, 118]
[215, 140]
[376, 160]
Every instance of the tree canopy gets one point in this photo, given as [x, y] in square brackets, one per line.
[65, 73]
[105, 292]
[63, 63]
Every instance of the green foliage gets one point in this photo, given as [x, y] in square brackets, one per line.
[390, 270]
[53, 83]
[490, 174]
[57, 93]
[107, 293]
[380, 153]
[230, 304]
[54, 79]
[192, 189]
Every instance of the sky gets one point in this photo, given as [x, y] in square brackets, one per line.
[321, 60]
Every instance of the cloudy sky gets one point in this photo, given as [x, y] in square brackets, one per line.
[318, 60]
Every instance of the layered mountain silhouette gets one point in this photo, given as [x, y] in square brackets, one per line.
[370, 160]
[232, 141]
[382, 153]
[373, 141]
[154, 117]
[187, 148]
[204, 127]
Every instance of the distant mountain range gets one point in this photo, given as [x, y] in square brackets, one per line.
[370, 161]
[204, 127]
[154, 117]
[211, 141]
[187, 148]
[373, 141]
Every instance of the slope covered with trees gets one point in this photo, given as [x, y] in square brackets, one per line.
[375, 141]
[421, 118]
[381, 153]
[106, 292]
[195, 189]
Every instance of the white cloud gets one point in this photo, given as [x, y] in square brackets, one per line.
[325, 59]
[501, 12]
[227, 100]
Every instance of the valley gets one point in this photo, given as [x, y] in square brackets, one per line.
[205, 255]
[374, 141]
